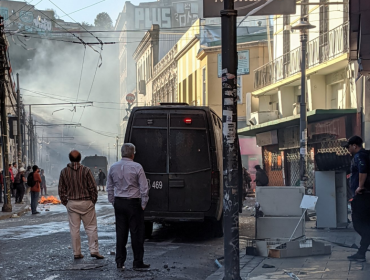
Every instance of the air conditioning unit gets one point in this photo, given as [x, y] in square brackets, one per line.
[263, 116]
[296, 109]
[142, 87]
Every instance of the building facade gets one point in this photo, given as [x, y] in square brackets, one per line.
[332, 95]
[133, 21]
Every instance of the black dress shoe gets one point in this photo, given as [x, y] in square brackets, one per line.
[120, 266]
[141, 266]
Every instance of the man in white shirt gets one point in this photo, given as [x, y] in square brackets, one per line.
[128, 191]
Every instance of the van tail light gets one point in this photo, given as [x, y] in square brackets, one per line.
[187, 121]
[215, 185]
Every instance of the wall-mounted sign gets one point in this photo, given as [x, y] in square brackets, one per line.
[243, 63]
[212, 8]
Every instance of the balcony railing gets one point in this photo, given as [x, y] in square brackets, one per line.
[321, 49]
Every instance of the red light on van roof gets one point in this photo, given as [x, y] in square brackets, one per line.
[187, 121]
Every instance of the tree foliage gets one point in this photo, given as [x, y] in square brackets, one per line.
[103, 20]
[86, 24]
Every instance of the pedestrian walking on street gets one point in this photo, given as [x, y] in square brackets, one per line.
[78, 192]
[261, 177]
[27, 187]
[19, 181]
[128, 191]
[246, 182]
[101, 177]
[12, 191]
[360, 186]
[14, 169]
[34, 181]
[43, 183]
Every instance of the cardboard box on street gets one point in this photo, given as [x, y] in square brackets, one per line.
[299, 249]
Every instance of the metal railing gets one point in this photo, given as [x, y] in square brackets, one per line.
[321, 49]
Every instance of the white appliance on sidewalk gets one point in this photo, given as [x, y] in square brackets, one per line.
[282, 212]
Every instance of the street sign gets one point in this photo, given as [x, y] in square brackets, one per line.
[212, 8]
[130, 98]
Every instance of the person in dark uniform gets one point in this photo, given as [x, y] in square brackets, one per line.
[101, 177]
[360, 186]
[261, 177]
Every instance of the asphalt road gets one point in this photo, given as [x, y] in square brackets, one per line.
[38, 247]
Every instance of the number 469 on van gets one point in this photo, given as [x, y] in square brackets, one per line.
[156, 184]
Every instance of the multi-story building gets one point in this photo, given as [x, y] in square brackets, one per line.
[199, 76]
[332, 101]
[152, 48]
[134, 21]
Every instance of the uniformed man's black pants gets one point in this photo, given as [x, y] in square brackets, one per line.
[129, 217]
[361, 220]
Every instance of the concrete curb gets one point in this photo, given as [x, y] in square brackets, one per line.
[19, 212]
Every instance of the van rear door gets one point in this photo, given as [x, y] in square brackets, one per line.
[189, 161]
[149, 133]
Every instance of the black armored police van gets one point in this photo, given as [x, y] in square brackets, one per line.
[180, 149]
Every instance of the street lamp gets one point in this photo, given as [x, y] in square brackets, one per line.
[303, 26]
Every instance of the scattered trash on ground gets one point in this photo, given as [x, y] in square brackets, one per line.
[291, 275]
[268, 266]
[218, 263]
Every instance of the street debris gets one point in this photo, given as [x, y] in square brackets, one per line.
[218, 263]
[84, 266]
[15, 216]
[291, 275]
[49, 200]
[268, 266]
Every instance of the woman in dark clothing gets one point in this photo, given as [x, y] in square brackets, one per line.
[19, 181]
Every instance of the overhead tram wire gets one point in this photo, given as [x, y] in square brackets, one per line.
[12, 21]
[92, 84]
[101, 48]
[82, 41]
[79, 83]
[79, 24]
[84, 8]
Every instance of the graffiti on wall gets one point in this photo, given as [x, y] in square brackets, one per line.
[26, 21]
[145, 17]
[185, 13]
[179, 15]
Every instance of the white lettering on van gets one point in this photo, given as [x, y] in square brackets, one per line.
[157, 185]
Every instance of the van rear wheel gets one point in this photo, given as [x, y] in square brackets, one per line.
[218, 228]
[148, 229]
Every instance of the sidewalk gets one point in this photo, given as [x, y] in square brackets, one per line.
[334, 266]
[18, 209]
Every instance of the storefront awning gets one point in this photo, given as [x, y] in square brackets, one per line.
[312, 116]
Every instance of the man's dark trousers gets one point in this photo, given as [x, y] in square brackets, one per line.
[361, 219]
[129, 216]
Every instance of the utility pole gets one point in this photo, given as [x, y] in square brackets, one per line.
[108, 155]
[230, 142]
[303, 26]
[117, 148]
[30, 137]
[34, 152]
[19, 124]
[7, 206]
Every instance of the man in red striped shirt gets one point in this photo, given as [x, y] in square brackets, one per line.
[78, 192]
